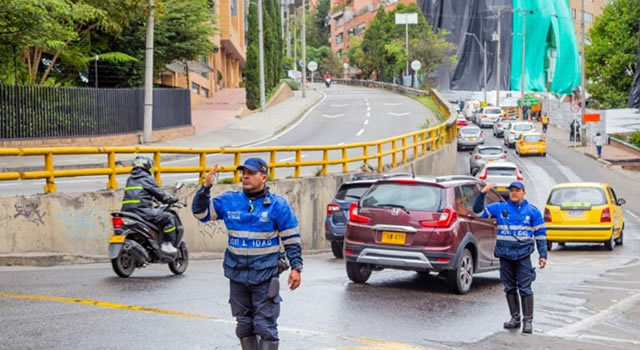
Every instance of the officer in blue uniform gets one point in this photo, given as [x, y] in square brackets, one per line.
[257, 222]
[519, 224]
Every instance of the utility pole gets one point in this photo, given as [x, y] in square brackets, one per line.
[148, 78]
[484, 70]
[295, 38]
[304, 49]
[288, 30]
[96, 70]
[261, 54]
[522, 72]
[583, 91]
[406, 43]
[498, 55]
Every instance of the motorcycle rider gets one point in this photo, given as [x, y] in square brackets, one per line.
[327, 79]
[141, 189]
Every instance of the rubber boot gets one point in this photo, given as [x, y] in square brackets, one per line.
[268, 345]
[249, 343]
[527, 312]
[514, 309]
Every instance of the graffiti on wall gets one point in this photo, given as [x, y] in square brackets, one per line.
[30, 210]
[84, 224]
[212, 228]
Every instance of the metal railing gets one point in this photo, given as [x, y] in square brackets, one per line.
[35, 112]
[399, 148]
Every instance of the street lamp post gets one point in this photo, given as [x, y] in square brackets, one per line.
[304, 49]
[484, 62]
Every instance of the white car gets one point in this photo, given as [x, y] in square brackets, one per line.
[470, 108]
[512, 134]
[487, 116]
[502, 174]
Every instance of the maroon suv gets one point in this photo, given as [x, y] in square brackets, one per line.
[421, 224]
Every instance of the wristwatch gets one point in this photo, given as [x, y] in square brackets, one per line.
[298, 268]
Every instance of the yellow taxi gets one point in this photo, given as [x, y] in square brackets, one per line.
[531, 143]
[584, 212]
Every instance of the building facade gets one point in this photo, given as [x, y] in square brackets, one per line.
[592, 10]
[222, 68]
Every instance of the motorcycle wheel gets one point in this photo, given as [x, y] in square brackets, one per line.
[123, 265]
[179, 265]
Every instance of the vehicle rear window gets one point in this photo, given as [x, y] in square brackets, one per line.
[352, 192]
[493, 111]
[490, 151]
[501, 171]
[533, 138]
[592, 195]
[469, 130]
[522, 127]
[412, 197]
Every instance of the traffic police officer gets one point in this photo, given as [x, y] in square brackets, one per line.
[519, 224]
[257, 222]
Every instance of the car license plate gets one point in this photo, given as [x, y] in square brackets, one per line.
[493, 118]
[502, 189]
[534, 150]
[117, 239]
[393, 237]
[469, 138]
[491, 160]
[576, 213]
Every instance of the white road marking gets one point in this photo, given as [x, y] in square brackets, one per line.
[392, 104]
[291, 158]
[341, 143]
[632, 214]
[570, 174]
[360, 132]
[368, 108]
[329, 116]
[340, 105]
[397, 114]
[366, 122]
[368, 114]
[607, 339]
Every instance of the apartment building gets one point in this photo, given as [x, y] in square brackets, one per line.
[222, 68]
[592, 10]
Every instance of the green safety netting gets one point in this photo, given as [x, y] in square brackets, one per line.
[549, 29]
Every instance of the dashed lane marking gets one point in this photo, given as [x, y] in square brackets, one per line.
[632, 214]
[360, 132]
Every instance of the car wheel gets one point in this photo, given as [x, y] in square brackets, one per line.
[549, 245]
[620, 239]
[461, 278]
[608, 245]
[336, 249]
[358, 273]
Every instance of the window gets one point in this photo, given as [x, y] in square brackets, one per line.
[204, 60]
[465, 198]
[588, 17]
[614, 198]
[195, 88]
[533, 138]
[360, 29]
[470, 131]
[490, 151]
[204, 92]
[339, 53]
[591, 195]
[411, 197]
[234, 7]
[573, 13]
[339, 38]
[523, 127]
[351, 32]
[352, 191]
[501, 171]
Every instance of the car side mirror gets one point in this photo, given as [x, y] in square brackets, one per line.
[621, 202]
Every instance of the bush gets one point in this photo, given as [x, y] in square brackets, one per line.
[635, 139]
[292, 83]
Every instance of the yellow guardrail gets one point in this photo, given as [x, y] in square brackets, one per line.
[417, 142]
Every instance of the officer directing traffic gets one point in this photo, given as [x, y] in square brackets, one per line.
[519, 224]
[257, 222]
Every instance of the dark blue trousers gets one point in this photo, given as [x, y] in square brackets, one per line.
[517, 275]
[255, 312]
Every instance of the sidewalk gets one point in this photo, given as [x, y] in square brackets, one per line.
[211, 132]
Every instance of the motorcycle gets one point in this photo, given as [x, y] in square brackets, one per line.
[135, 243]
[327, 82]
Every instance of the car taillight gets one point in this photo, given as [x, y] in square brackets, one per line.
[326, 227]
[353, 214]
[349, 251]
[332, 207]
[547, 215]
[518, 176]
[481, 134]
[477, 157]
[605, 216]
[484, 175]
[405, 181]
[503, 156]
[483, 116]
[117, 222]
[446, 219]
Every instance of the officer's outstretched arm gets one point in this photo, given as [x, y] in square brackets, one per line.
[202, 206]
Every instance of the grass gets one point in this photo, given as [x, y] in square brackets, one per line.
[431, 105]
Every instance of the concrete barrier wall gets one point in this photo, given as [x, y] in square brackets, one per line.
[75, 227]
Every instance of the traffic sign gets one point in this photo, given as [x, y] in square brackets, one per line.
[312, 66]
[415, 65]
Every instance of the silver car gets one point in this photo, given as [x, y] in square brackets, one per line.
[469, 137]
[512, 134]
[488, 116]
[502, 174]
[500, 125]
[484, 154]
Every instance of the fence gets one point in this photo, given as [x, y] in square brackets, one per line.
[33, 112]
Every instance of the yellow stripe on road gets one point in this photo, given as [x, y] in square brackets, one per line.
[108, 305]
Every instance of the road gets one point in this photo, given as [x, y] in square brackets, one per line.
[346, 115]
[586, 298]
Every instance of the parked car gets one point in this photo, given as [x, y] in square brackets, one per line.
[515, 129]
[469, 137]
[461, 121]
[501, 174]
[338, 210]
[421, 224]
[484, 154]
[500, 125]
[488, 116]
[531, 143]
[584, 212]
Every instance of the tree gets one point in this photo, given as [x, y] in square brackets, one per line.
[251, 67]
[611, 57]
[358, 59]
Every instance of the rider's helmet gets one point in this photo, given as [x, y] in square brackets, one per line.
[144, 162]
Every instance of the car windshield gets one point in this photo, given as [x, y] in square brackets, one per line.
[490, 151]
[523, 127]
[591, 195]
[501, 171]
[492, 111]
[352, 191]
[469, 130]
[533, 138]
[410, 196]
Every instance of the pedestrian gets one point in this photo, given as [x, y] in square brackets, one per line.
[572, 130]
[524, 112]
[545, 122]
[519, 224]
[257, 222]
[598, 140]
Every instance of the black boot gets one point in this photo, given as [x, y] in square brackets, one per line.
[268, 345]
[249, 343]
[514, 310]
[527, 313]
